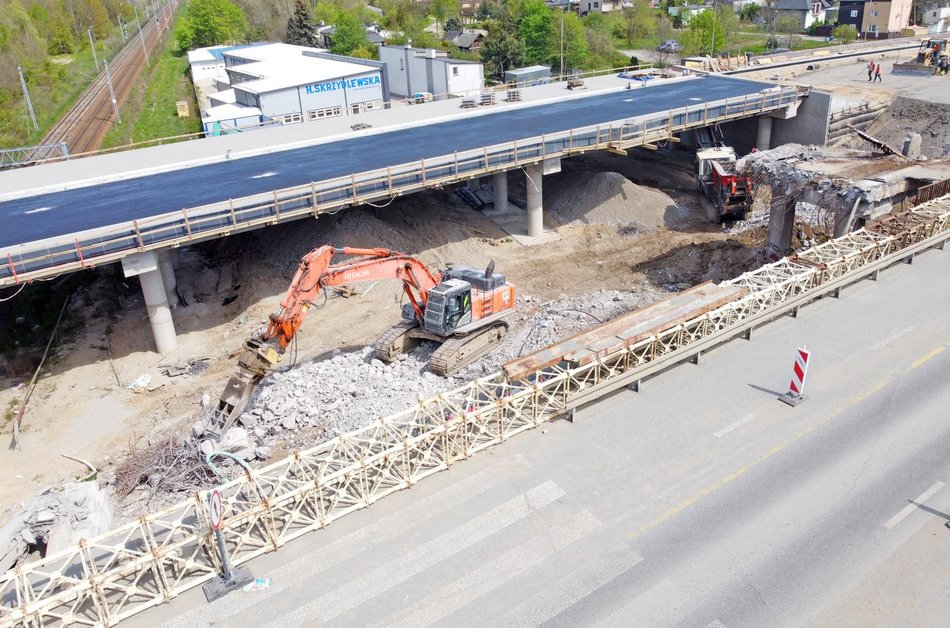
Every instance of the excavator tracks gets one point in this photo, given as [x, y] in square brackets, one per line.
[459, 352]
[398, 339]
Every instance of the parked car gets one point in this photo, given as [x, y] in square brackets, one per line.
[670, 45]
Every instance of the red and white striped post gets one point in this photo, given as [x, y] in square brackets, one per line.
[794, 395]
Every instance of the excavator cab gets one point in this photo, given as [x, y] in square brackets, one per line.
[449, 307]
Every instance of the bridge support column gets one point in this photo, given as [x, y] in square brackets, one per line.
[535, 213]
[764, 139]
[781, 223]
[499, 185]
[167, 267]
[146, 267]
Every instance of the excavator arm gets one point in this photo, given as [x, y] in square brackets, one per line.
[315, 273]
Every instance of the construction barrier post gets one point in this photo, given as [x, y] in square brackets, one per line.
[794, 395]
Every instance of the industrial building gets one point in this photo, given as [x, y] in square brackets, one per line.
[417, 70]
[286, 84]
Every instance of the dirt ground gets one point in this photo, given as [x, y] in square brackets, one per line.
[624, 222]
[646, 226]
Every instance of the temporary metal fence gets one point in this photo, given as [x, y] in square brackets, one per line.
[101, 581]
[56, 255]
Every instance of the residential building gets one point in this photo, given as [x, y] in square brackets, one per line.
[936, 19]
[807, 12]
[852, 12]
[466, 40]
[415, 70]
[886, 19]
[597, 6]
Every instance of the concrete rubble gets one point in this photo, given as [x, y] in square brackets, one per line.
[350, 390]
[54, 520]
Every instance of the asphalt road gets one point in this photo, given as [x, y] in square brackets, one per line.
[700, 501]
[66, 212]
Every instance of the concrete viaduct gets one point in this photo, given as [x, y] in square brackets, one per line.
[138, 206]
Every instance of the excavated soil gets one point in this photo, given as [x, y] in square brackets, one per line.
[620, 237]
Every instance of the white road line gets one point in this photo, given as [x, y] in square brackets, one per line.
[567, 591]
[909, 508]
[738, 423]
[715, 624]
[398, 570]
[892, 338]
[650, 608]
[491, 575]
[264, 175]
[379, 531]
[37, 210]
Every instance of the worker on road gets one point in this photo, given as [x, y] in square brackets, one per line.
[870, 71]
[877, 73]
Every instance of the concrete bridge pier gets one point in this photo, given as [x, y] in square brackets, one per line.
[764, 136]
[781, 224]
[166, 265]
[147, 267]
[535, 212]
[499, 184]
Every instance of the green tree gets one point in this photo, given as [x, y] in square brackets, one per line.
[535, 30]
[576, 49]
[703, 33]
[300, 30]
[349, 34]
[845, 33]
[442, 9]
[750, 11]
[501, 51]
[453, 24]
[209, 23]
[639, 21]
[788, 25]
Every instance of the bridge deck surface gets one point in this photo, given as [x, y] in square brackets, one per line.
[89, 201]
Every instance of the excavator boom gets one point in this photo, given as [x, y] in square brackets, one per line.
[315, 273]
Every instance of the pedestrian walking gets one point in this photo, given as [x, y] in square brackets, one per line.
[870, 71]
[877, 73]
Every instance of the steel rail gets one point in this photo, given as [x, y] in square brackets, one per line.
[53, 256]
[103, 580]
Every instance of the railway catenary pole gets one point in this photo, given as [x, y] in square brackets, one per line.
[141, 36]
[115, 106]
[118, 18]
[92, 44]
[26, 97]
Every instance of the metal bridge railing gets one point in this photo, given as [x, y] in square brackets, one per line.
[103, 580]
[55, 255]
[26, 155]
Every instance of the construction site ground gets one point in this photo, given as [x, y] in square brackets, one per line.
[631, 230]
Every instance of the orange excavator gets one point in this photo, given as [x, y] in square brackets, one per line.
[465, 310]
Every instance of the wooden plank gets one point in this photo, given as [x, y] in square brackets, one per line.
[626, 330]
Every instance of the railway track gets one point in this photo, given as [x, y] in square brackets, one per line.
[85, 125]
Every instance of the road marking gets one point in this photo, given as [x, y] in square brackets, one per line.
[892, 338]
[264, 175]
[379, 531]
[930, 355]
[491, 575]
[738, 423]
[38, 210]
[715, 624]
[567, 591]
[650, 608]
[909, 508]
[696, 497]
[395, 572]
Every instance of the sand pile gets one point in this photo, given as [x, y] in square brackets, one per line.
[609, 198]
